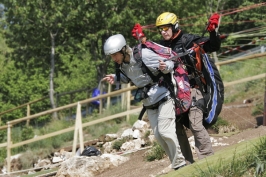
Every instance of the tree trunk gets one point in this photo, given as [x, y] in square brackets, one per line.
[51, 92]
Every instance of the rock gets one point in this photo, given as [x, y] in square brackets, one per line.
[128, 133]
[57, 159]
[83, 166]
[110, 137]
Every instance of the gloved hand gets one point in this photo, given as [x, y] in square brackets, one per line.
[213, 22]
[137, 32]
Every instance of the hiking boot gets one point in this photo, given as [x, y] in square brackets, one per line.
[180, 167]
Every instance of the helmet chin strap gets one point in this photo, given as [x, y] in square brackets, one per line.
[175, 34]
[124, 55]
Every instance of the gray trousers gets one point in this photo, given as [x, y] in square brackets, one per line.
[202, 139]
[183, 141]
[162, 121]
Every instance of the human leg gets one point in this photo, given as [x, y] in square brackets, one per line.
[153, 119]
[183, 142]
[202, 139]
[165, 132]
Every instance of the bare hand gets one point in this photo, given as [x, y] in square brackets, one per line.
[109, 78]
[162, 65]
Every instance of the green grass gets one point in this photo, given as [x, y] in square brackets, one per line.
[240, 70]
[235, 161]
[155, 153]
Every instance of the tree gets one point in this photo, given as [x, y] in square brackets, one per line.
[45, 32]
[58, 45]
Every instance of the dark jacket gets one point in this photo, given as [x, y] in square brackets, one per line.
[210, 44]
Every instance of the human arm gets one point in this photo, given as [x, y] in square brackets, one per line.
[111, 78]
[214, 41]
[156, 62]
[210, 44]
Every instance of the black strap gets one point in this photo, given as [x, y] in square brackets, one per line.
[167, 78]
[141, 113]
[117, 73]
[196, 73]
[145, 69]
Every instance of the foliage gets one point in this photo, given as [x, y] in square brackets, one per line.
[30, 157]
[249, 163]
[80, 29]
[2, 156]
[220, 122]
[258, 110]
[155, 153]
[239, 70]
[3, 136]
[118, 143]
[27, 133]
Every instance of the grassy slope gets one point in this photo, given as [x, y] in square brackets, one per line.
[225, 155]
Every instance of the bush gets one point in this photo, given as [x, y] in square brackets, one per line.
[220, 122]
[27, 133]
[2, 156]
[257, 110]
[118, 143]
[3, 136]
[155, 153]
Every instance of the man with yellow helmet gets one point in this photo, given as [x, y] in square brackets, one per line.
[168, 26]
[168, 19]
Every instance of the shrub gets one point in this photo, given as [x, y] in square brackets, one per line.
[257, 110]
[155, 153]
[3, 136]
[27, 133]
[2, 156]
[118, 143]
[220, 122]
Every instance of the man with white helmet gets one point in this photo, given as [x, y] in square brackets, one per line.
[160, 106]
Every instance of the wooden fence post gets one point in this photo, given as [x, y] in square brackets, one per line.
[128, 101]
[101, 100]
[78, 131]
[9, 143]
[28, 114]
[123, 102]
[264, 112]
[108, 98]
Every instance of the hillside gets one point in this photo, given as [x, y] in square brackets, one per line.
[250, 127]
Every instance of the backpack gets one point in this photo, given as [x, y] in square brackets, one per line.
[90, 151]
[177, 81]
[210, 83]
[95, 93]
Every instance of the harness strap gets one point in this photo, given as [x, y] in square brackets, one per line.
[154, 106]
[141, 113]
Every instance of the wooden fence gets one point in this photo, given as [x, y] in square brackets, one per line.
[127, 95]
[9, 125]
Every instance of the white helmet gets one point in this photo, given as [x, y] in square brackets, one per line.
[114, 44]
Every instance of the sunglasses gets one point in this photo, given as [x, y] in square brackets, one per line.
[163, 28]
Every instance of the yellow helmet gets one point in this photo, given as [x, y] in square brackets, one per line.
[166, 18]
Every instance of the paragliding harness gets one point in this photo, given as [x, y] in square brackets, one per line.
[204, 75]
[176, 82]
